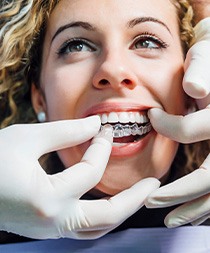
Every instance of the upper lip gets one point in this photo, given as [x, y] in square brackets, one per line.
[106, 107]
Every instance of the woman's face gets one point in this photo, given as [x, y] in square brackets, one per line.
[116, 58]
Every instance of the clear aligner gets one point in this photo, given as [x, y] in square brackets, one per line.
[127, 130]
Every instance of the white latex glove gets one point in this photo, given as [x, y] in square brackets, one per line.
[41, 206]
[193, 189]
[196, 81]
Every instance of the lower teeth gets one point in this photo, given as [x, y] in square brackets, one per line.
[120, 131]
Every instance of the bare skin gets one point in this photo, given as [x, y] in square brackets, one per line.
[201, 8]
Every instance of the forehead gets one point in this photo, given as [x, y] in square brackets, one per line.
[112, 12]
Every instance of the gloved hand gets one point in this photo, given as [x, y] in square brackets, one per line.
[188, 129]
[42, 206]
[196, 81]
[193, 189]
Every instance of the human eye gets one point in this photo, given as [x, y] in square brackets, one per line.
[149, 41]
[76, 45]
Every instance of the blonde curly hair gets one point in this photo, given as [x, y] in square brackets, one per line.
[22, 30]
[22, 25]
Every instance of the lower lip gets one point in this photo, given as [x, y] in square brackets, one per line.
[131, 149]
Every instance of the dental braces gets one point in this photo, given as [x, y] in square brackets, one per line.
[120, 130]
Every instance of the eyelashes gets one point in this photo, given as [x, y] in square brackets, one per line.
[149, 41]
[76, 45]
[145, 41]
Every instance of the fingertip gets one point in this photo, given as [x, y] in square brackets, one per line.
[156, 116]
[194, 89]
[106, 132]
[93, 121]
[154, 112]
[153, 182]
[171, 222]
[148, 185]
[153, 200]
[150, 202]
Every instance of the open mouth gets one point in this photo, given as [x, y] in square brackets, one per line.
[127, 127]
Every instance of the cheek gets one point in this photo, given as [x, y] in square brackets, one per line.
[176, 97]
[63, 89]
[167, 88]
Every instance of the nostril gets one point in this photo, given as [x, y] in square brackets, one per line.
[127, 81]
[115, 83]
[103, 82]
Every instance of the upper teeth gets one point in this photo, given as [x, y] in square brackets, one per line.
[124, 117]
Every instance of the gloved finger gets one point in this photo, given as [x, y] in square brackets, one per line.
[111, 212]
[53, 136]
[201, 220]
[83, 176]
[182, 190]
[91, 233]
[184, 129]
[188, 212]
[196, 82]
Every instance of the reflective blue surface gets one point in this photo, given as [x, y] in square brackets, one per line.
[151, 240]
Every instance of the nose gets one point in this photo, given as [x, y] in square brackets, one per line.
[114, 71]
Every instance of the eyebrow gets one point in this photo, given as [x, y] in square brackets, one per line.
[87, 26]
[140, 20]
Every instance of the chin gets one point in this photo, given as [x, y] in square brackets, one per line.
[122, 174]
